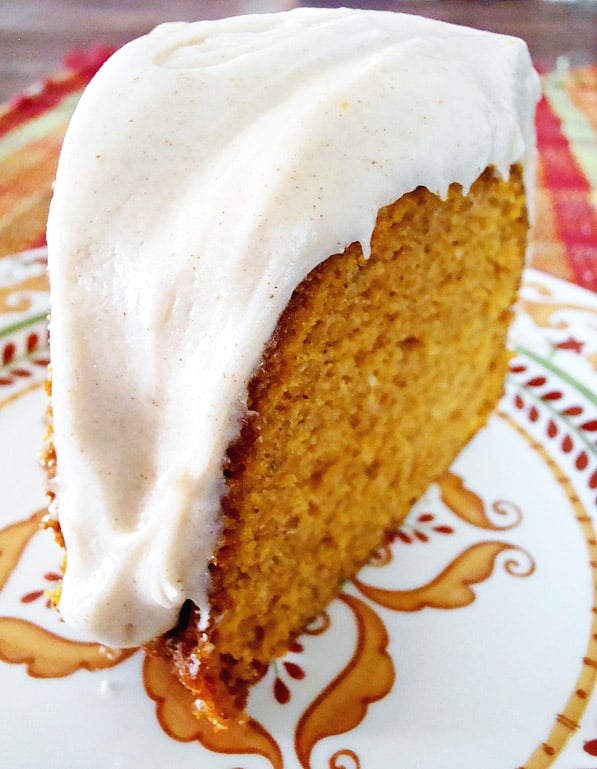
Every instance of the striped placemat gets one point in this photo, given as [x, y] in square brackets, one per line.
[32, 126]
[565, 232]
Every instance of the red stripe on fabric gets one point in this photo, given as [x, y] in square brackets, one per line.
[560, 167]
[88, 62]
[25, 107]
[39, 241]
[575, 217]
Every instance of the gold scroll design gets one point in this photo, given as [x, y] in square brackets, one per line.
[343, 703]
[542, 311]
[45, 654]
[17, 297]
[178, 717]
[452, 587]
[469, 507]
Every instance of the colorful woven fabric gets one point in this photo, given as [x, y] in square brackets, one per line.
[32, 127]
[565, 232]
[564, 236]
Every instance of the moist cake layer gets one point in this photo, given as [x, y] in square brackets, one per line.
[379, 372]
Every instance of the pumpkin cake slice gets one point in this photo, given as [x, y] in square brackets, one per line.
[283, 254]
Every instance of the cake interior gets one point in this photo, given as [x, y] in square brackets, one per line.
[379, 372]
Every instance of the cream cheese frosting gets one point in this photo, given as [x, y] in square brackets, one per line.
[208, 168]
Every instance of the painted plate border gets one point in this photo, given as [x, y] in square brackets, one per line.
[550, 401]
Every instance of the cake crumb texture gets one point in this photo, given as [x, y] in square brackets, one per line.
[377, 375]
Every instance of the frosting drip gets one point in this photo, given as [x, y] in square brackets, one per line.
[208, 168]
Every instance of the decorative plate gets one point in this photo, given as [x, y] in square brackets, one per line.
[470, 642]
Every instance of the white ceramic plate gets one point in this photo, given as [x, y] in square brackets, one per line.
[469, 644]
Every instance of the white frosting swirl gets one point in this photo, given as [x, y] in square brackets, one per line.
[207, 169]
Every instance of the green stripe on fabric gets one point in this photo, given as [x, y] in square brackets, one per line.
[36, 129]
[576, 127]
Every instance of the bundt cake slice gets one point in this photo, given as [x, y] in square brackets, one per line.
[283, 254]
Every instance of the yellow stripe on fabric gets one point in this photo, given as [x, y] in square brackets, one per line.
[26, 178]
[31, 166]
[26, 228]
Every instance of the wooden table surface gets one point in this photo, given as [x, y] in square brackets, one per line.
[35, 35]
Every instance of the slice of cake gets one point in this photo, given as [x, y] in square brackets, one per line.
[283, 254]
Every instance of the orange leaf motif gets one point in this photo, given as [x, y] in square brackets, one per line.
[47, 655]
[450, 589]
[469, 507]
[178, 717]
[368, 677]
[13, 540]
[543, 312]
